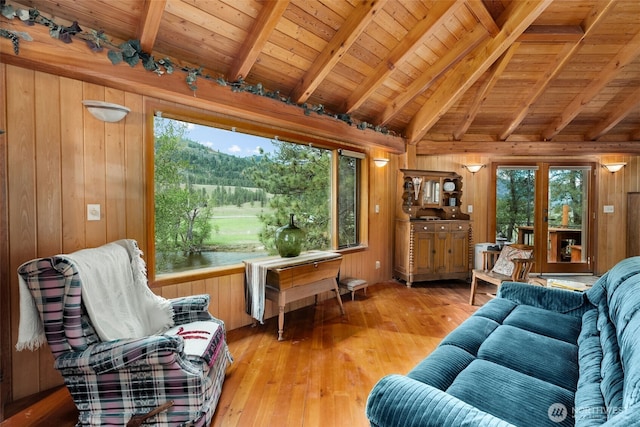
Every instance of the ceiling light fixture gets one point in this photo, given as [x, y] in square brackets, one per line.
[614, 167]
[106, 111]
[380, 162]
[473, 168]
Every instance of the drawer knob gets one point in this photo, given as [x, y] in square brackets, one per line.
[442, 227]
[315, 265]
[425, 228]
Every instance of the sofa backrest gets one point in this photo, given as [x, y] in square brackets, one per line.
[55, 285]
[617, 296]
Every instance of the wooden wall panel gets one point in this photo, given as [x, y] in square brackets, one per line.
[21, 124]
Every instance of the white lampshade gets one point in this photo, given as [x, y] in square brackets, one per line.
[473, 168]
[380, 162]
[614, 167]
[106, 111]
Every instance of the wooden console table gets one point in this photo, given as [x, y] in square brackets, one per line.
[283, 280]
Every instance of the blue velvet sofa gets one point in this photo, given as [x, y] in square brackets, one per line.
[533, 356]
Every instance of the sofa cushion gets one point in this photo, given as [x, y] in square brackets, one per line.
[589, 399]
[513, 396]
[497, 309]
[545, 322]
[541, 357]
[471, 334]
[442, 366]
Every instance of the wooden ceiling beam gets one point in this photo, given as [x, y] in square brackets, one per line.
[150, 23]
[627, 54]
[264, 25]
[438, 14]
[631, 102]
[516, 19]
[494, 74]
[635, 136]
[552, 34]
[595, 17]
[526, 148]
[453, 56]
[477, 9]
[348, 33]
[76, 61]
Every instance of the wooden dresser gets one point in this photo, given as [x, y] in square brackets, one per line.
[432, 235]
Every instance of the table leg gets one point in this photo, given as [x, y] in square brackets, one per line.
[281, 304]
[280, 322]
[335, 286]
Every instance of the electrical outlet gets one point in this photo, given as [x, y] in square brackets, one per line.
[377, 208]
[469, 208]
[93, 212]
[377, 265]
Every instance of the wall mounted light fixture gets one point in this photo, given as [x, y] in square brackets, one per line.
[473, 168]
[613, 167]
[380, 162]
[106, 111]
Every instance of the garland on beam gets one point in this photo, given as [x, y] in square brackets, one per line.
[131, 53]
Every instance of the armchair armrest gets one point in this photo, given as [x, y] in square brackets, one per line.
[554, 299]
[399, 401]
[107, 356]
[190, 309]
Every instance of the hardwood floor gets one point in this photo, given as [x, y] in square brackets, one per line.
[323, 370]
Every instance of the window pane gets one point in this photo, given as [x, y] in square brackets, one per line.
[348, 201]
[515, 192]
[221, 195]
[568, 196]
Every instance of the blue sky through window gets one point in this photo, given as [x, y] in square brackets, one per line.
[228, 142]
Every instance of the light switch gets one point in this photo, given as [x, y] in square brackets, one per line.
[93, 212]
[607, 209]
[469, 208]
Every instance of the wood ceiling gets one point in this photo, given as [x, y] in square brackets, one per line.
[447, 75]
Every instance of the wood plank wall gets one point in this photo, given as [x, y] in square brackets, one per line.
[59, 159]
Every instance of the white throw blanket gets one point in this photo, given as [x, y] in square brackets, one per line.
[115, 294]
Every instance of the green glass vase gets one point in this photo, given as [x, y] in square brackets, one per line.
[289, 239]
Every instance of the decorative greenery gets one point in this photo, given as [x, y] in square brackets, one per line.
[131, 53]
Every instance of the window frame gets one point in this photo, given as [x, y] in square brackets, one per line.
[187, 114]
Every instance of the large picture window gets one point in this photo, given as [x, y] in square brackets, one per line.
[220, 195]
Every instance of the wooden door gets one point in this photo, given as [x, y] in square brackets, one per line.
[459, 249]
[442, 250]
[424, 242]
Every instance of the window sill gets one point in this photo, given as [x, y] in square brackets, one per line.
[227, 270]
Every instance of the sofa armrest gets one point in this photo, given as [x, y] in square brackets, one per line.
[397, 400]
[190, 309]
[554, 299]
[108, 356]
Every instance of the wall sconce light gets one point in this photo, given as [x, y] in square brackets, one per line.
[473, 168]
[613, 167]
[106, 111]
[380, 162]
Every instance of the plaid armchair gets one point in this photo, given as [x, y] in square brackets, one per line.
[158, 378]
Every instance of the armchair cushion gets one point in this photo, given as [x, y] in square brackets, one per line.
[504, 264]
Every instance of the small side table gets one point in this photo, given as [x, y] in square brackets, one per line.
[352, 284]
